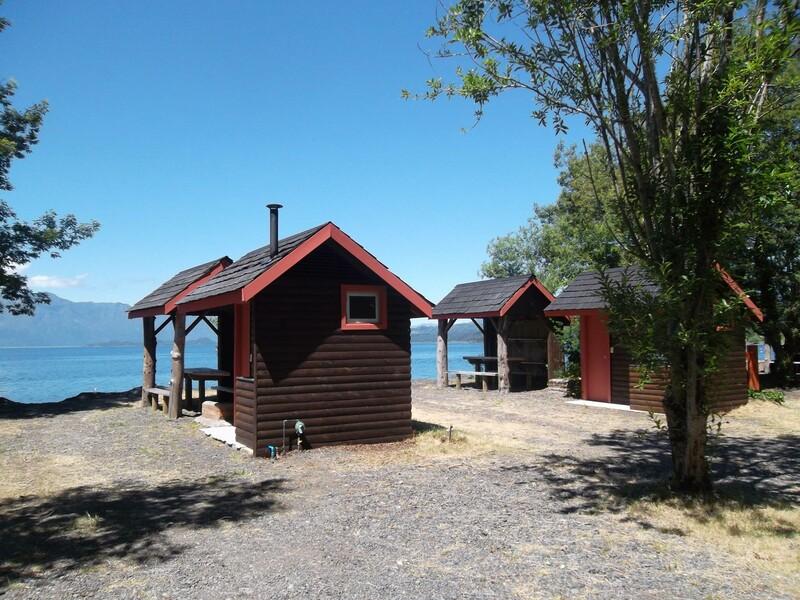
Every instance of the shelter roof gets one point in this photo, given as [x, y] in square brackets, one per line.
[162, 299]
[486, 298]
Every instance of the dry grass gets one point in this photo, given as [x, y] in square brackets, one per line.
[44, 475]
[764, 534]
[432, 442]
[768, 535]
[766, 418]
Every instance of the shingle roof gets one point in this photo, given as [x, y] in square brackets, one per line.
[247, 268]
[175, 285]
[585, 291]
[479, 297]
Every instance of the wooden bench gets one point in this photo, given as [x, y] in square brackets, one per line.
[483, 375]
[158, 395]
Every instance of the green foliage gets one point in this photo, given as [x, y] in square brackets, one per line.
[21, 241]
[565, 238]
[774, 396]
[770, 265]
[678, 94]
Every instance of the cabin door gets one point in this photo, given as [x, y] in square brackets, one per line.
[595, 359]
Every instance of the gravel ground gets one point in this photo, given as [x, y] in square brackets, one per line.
[102, 499]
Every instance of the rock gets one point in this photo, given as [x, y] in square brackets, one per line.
[218, 410]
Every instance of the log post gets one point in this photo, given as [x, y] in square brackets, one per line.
[149, 359]
[178, 344]
[503, 375]
[441, 354]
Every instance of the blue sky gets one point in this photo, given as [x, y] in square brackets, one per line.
[174, 123]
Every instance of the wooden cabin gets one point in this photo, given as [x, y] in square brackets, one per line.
[519, 348]
[316, 329]
[607, 372]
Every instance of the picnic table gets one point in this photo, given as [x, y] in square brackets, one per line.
[517, 365]
[201, 375]
[481, 362]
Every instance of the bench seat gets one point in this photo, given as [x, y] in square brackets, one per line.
[484, 375]
[158, 394]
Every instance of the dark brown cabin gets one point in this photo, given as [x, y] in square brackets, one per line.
[317, 329]
[607, 372]
[519, 349]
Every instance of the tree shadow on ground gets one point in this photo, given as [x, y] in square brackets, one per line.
[82, 527]
[82, 402]
[748, 472]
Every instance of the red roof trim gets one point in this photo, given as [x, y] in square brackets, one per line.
[373, 264]
[748, 302]
[327, 232]
[170, 306]
[146, 312]
[287, 262]
[521, 291]
[234, 297]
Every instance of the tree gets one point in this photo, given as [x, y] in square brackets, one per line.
[771, 265]
[20, 241]
[565, 238]
[677, 93]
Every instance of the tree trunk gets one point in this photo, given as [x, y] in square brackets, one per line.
[441, 354]
[176, 386]
[149, 358]
[684, 405]
[503, 371]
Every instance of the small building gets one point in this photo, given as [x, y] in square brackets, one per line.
[315, 329]
[607, 372]
[519, 348]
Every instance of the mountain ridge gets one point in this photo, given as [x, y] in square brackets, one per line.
[67, 323]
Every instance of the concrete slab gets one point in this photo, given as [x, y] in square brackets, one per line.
[226, 435]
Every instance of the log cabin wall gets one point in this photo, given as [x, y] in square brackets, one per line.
[727, 390]
[346, 386]
[244, 412]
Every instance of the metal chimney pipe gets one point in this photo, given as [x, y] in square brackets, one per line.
[273, 228]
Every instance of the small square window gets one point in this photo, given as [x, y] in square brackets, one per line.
[363, 307]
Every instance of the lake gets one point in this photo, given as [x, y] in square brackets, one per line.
[52, 374]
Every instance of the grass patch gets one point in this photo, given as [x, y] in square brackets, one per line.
[431, 441]
[87, 524]
[768, 417]
[768, 534]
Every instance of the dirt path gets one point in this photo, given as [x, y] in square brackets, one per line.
[101, 499]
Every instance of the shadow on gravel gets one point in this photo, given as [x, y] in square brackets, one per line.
[749, 472]
[82, 402]
[82, 527]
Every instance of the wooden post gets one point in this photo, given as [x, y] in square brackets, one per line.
[178, 344]
[503, 379]
[149, 360]
[441, 354]
[187, 393]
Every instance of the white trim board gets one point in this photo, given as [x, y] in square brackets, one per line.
[595, 404]
[609, 405]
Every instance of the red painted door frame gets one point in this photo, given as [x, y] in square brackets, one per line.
[241, 347]
[595, 358]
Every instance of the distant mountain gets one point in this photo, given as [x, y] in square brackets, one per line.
[66, 323]
[460, 332]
